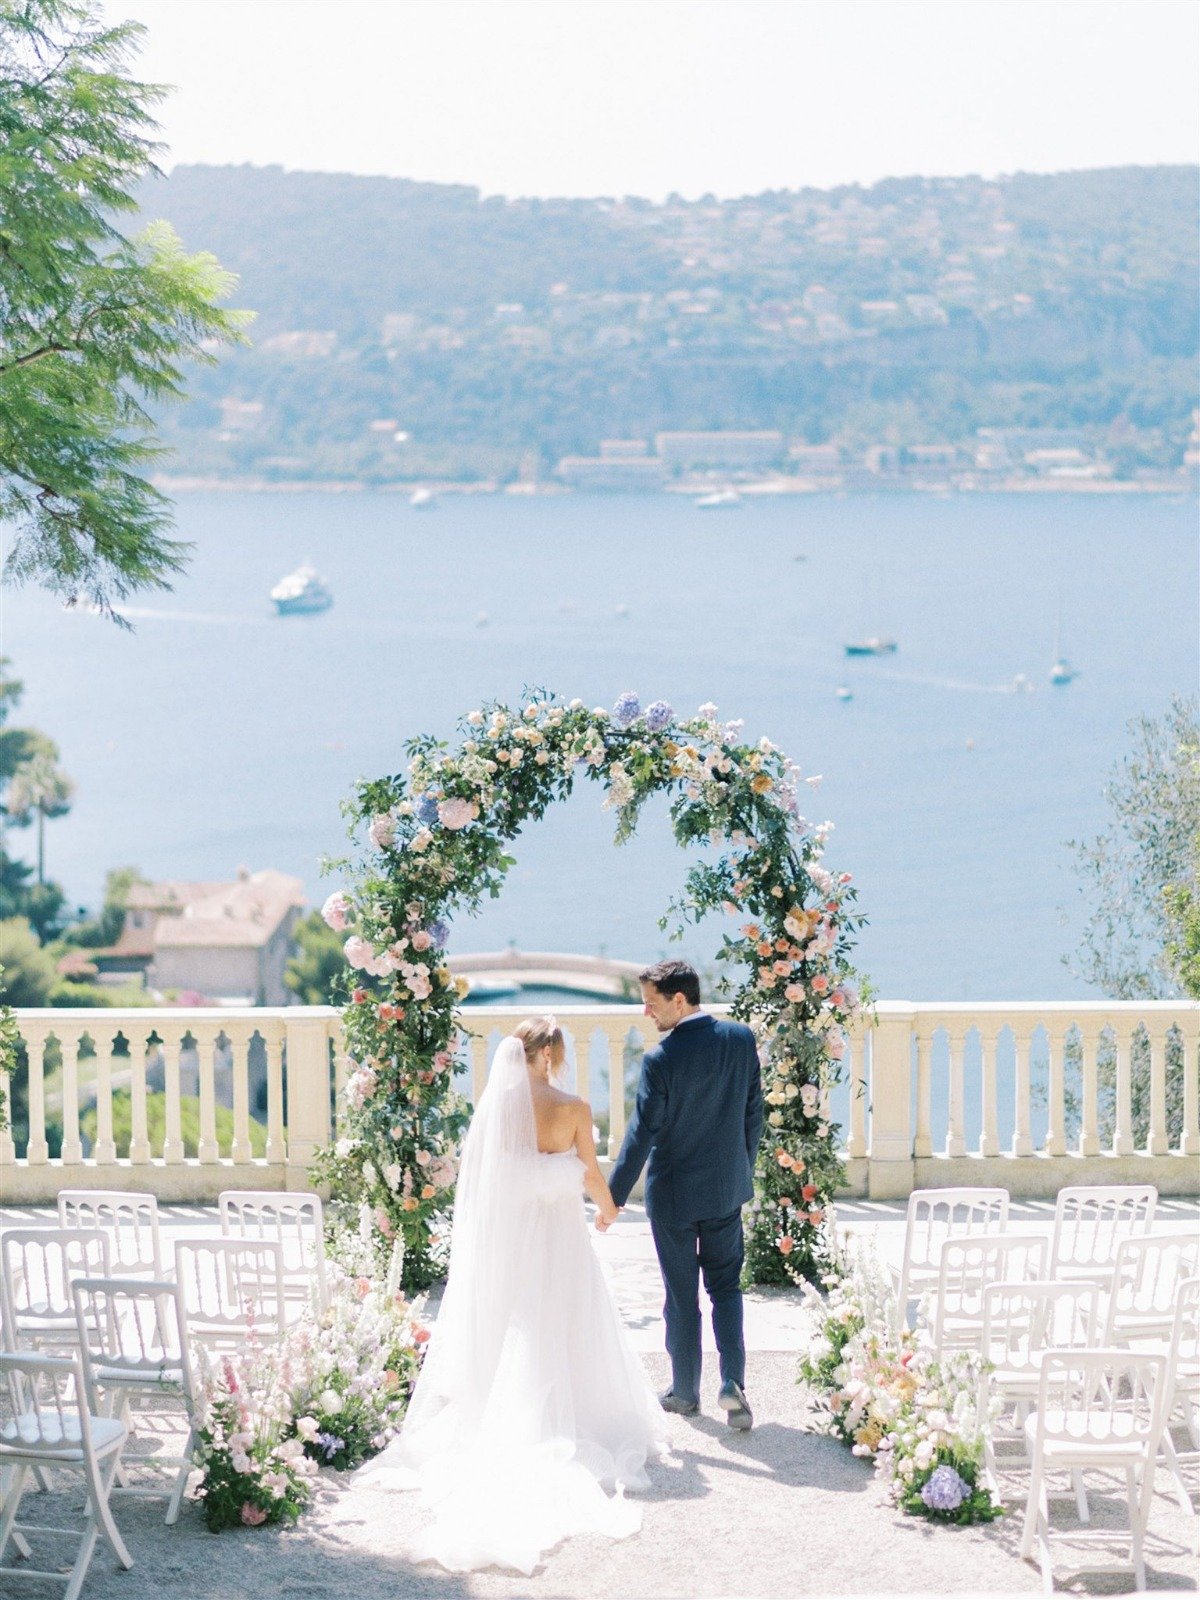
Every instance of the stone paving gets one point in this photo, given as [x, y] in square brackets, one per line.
[779, 1512]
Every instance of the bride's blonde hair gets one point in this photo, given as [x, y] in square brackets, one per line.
[537, 1032]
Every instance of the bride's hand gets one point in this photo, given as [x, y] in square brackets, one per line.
[605, 1219]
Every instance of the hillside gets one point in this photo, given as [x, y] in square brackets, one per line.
[492, 330]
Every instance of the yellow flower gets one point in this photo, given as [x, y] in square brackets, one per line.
[461, 987]
[761, 784]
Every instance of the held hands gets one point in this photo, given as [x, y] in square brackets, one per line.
[605, 1219]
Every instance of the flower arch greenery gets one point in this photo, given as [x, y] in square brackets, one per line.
[435, 842]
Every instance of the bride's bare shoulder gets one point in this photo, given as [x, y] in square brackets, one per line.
[553, 1099]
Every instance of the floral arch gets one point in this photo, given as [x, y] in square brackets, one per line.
[434, 843]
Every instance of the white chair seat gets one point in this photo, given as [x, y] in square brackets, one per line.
[29, 1429]
[168, 1372]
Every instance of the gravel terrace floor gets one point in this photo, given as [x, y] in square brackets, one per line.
[780, 1512]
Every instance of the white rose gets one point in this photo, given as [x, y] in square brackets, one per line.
[343, 1148]
[331, 1402]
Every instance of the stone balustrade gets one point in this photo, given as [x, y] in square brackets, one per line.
[1030, 1096]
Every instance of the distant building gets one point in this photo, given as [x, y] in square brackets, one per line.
[623, 449]
[227, 941]
[815, 457]
[932, 455]
[612, 472]
[728, 449]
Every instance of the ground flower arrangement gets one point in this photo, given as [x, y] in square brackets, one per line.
[332, 1393]
[434, 842]
[883, 1393]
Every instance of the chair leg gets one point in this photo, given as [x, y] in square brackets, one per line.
[12, 1500]
[1032, 1503]
[1081, 1499]
[1139, 1508]
[99, 1482]
[181, 1479]
[1172, 1455]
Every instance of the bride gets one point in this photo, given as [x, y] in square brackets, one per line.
[531, 1404]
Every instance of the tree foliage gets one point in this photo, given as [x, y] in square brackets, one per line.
[1141, 875]
[94, 326]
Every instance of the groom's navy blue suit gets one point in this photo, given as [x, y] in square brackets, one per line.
[698, 1119]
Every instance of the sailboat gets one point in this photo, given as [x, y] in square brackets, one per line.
[1061, 670]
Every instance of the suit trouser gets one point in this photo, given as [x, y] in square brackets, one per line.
[712, 1248]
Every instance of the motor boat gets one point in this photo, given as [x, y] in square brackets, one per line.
[423, 500]
[301, 593]
[872, 647]
[718, 500]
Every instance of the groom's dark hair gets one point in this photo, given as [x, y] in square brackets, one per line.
[673, 977]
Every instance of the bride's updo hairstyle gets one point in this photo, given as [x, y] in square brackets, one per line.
[536, 1032]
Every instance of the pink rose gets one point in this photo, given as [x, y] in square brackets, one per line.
[336, 911]
[782, 968]
[836, 1048]
[253, 1516]
[382, 831]
[383, 1222]
[359, 951]
[421, 940]
[455, 814]
[794, 992]
[820, 983]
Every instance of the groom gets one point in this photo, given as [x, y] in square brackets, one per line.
[698, 1118]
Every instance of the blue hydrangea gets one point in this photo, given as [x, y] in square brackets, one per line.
[945, 1490]
[439, 932]
[626, 710]
[330, 1443]
[659, 716]
[425, 809]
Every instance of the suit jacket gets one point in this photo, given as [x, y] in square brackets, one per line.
[698, 1119]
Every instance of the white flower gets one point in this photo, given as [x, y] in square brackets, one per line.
[391, 1175]
[476, 719]
[343, 1148]
[330, 1402]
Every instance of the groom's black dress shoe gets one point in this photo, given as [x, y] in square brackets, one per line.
[732, 1401]
[670, 1401]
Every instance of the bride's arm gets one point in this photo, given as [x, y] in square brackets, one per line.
[593, 1179]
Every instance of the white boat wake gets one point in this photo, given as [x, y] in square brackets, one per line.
[957, 684]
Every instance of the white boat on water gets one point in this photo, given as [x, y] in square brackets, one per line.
[301, 593]
[873, 646]
[718, 500]
[423, 500]
[1061, 670]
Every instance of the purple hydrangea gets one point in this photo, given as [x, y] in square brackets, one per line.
[330, 1443]
[626, 710]
[426, 810]
[659, 716]
[945, 1490]
[439, 932]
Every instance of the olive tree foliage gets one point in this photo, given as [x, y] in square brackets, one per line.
[1142, 873]
[95, 327]
[1140, 878]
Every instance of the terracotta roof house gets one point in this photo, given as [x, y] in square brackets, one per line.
[228, 941]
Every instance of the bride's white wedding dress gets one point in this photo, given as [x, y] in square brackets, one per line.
[532, 1413]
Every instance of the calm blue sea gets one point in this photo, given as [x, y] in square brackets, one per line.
[217, 734]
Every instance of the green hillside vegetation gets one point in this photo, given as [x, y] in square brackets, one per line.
[156, 1123]
[492, 330]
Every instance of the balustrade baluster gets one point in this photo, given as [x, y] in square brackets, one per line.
[956, 1142]
[617, 1035]
[989, 1136]
[173, 1152]
[206, 1045]
[1022, 1088]
[1056, 1124]
[923, 1137]
[1089, 1130]
[856, 1143]
[276, 1151]
[37, 1151]
[1157, 1139]
[583, 1075]
[1123, 1130]
[139, 1137]
[240, 1148]
[1189, 1143]
[72, 1145]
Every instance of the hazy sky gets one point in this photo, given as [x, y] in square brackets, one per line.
[586, 97]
